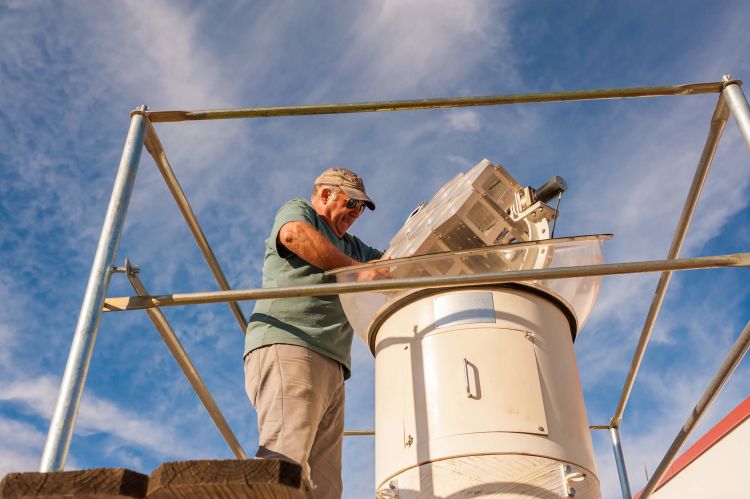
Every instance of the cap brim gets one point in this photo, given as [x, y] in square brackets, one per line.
[359, 196]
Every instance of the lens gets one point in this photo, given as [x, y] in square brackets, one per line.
[353, 203]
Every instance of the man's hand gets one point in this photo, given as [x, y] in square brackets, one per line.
[306, 242]
[376, 273]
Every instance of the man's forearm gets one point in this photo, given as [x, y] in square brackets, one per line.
[307, 243]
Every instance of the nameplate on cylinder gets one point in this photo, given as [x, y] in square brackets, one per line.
[467, 307]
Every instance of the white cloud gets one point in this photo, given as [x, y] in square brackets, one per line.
[20, 448]
[422, 46]
[464, 120]
[97, 415]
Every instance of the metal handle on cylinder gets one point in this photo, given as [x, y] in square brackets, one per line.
[466, 378]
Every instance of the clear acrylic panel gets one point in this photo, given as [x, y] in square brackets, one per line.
[578, 292]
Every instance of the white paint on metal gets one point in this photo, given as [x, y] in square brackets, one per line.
[464, 308]
[525, 395]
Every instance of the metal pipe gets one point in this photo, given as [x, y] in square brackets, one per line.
[359, 433]
[718, 122]
[740, 110]
[141, 302]
[191, 373]
[74, 378]
[154, 147]
[403, 105]
[732, 360]
[622, 472]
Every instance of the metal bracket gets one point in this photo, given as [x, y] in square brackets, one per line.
[391, 492]
[142, 110]
[727, 80]
[128, 269]
[570, 477]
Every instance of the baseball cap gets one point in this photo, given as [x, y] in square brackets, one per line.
[348, 181]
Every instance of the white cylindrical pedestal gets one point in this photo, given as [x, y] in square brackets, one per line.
[477, 393]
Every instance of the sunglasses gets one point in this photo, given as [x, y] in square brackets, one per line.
[353, 203]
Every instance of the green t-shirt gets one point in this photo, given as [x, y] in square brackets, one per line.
[315, 322]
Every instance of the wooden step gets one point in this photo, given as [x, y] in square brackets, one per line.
[209, 479]
[97, 483]
[257, 478]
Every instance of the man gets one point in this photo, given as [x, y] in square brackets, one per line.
[298, 350]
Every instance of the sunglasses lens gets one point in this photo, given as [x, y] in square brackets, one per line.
[353, 203]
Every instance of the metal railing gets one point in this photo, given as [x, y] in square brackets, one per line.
[119, 304]
[731, 100]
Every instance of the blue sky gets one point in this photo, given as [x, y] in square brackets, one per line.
[70, 72]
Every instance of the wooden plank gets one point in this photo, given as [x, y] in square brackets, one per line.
[97, 483]
[257, 478]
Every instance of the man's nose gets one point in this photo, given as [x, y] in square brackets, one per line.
[356, 211]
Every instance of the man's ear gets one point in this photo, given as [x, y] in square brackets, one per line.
[325, 194]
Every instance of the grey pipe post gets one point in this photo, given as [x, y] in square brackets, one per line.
[622, 472]
[154, 147]
[731, 361]
[71, 387]
[718, 123]
[188, 368]
[739, 107]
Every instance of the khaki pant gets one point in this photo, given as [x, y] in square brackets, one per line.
[299, 397]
